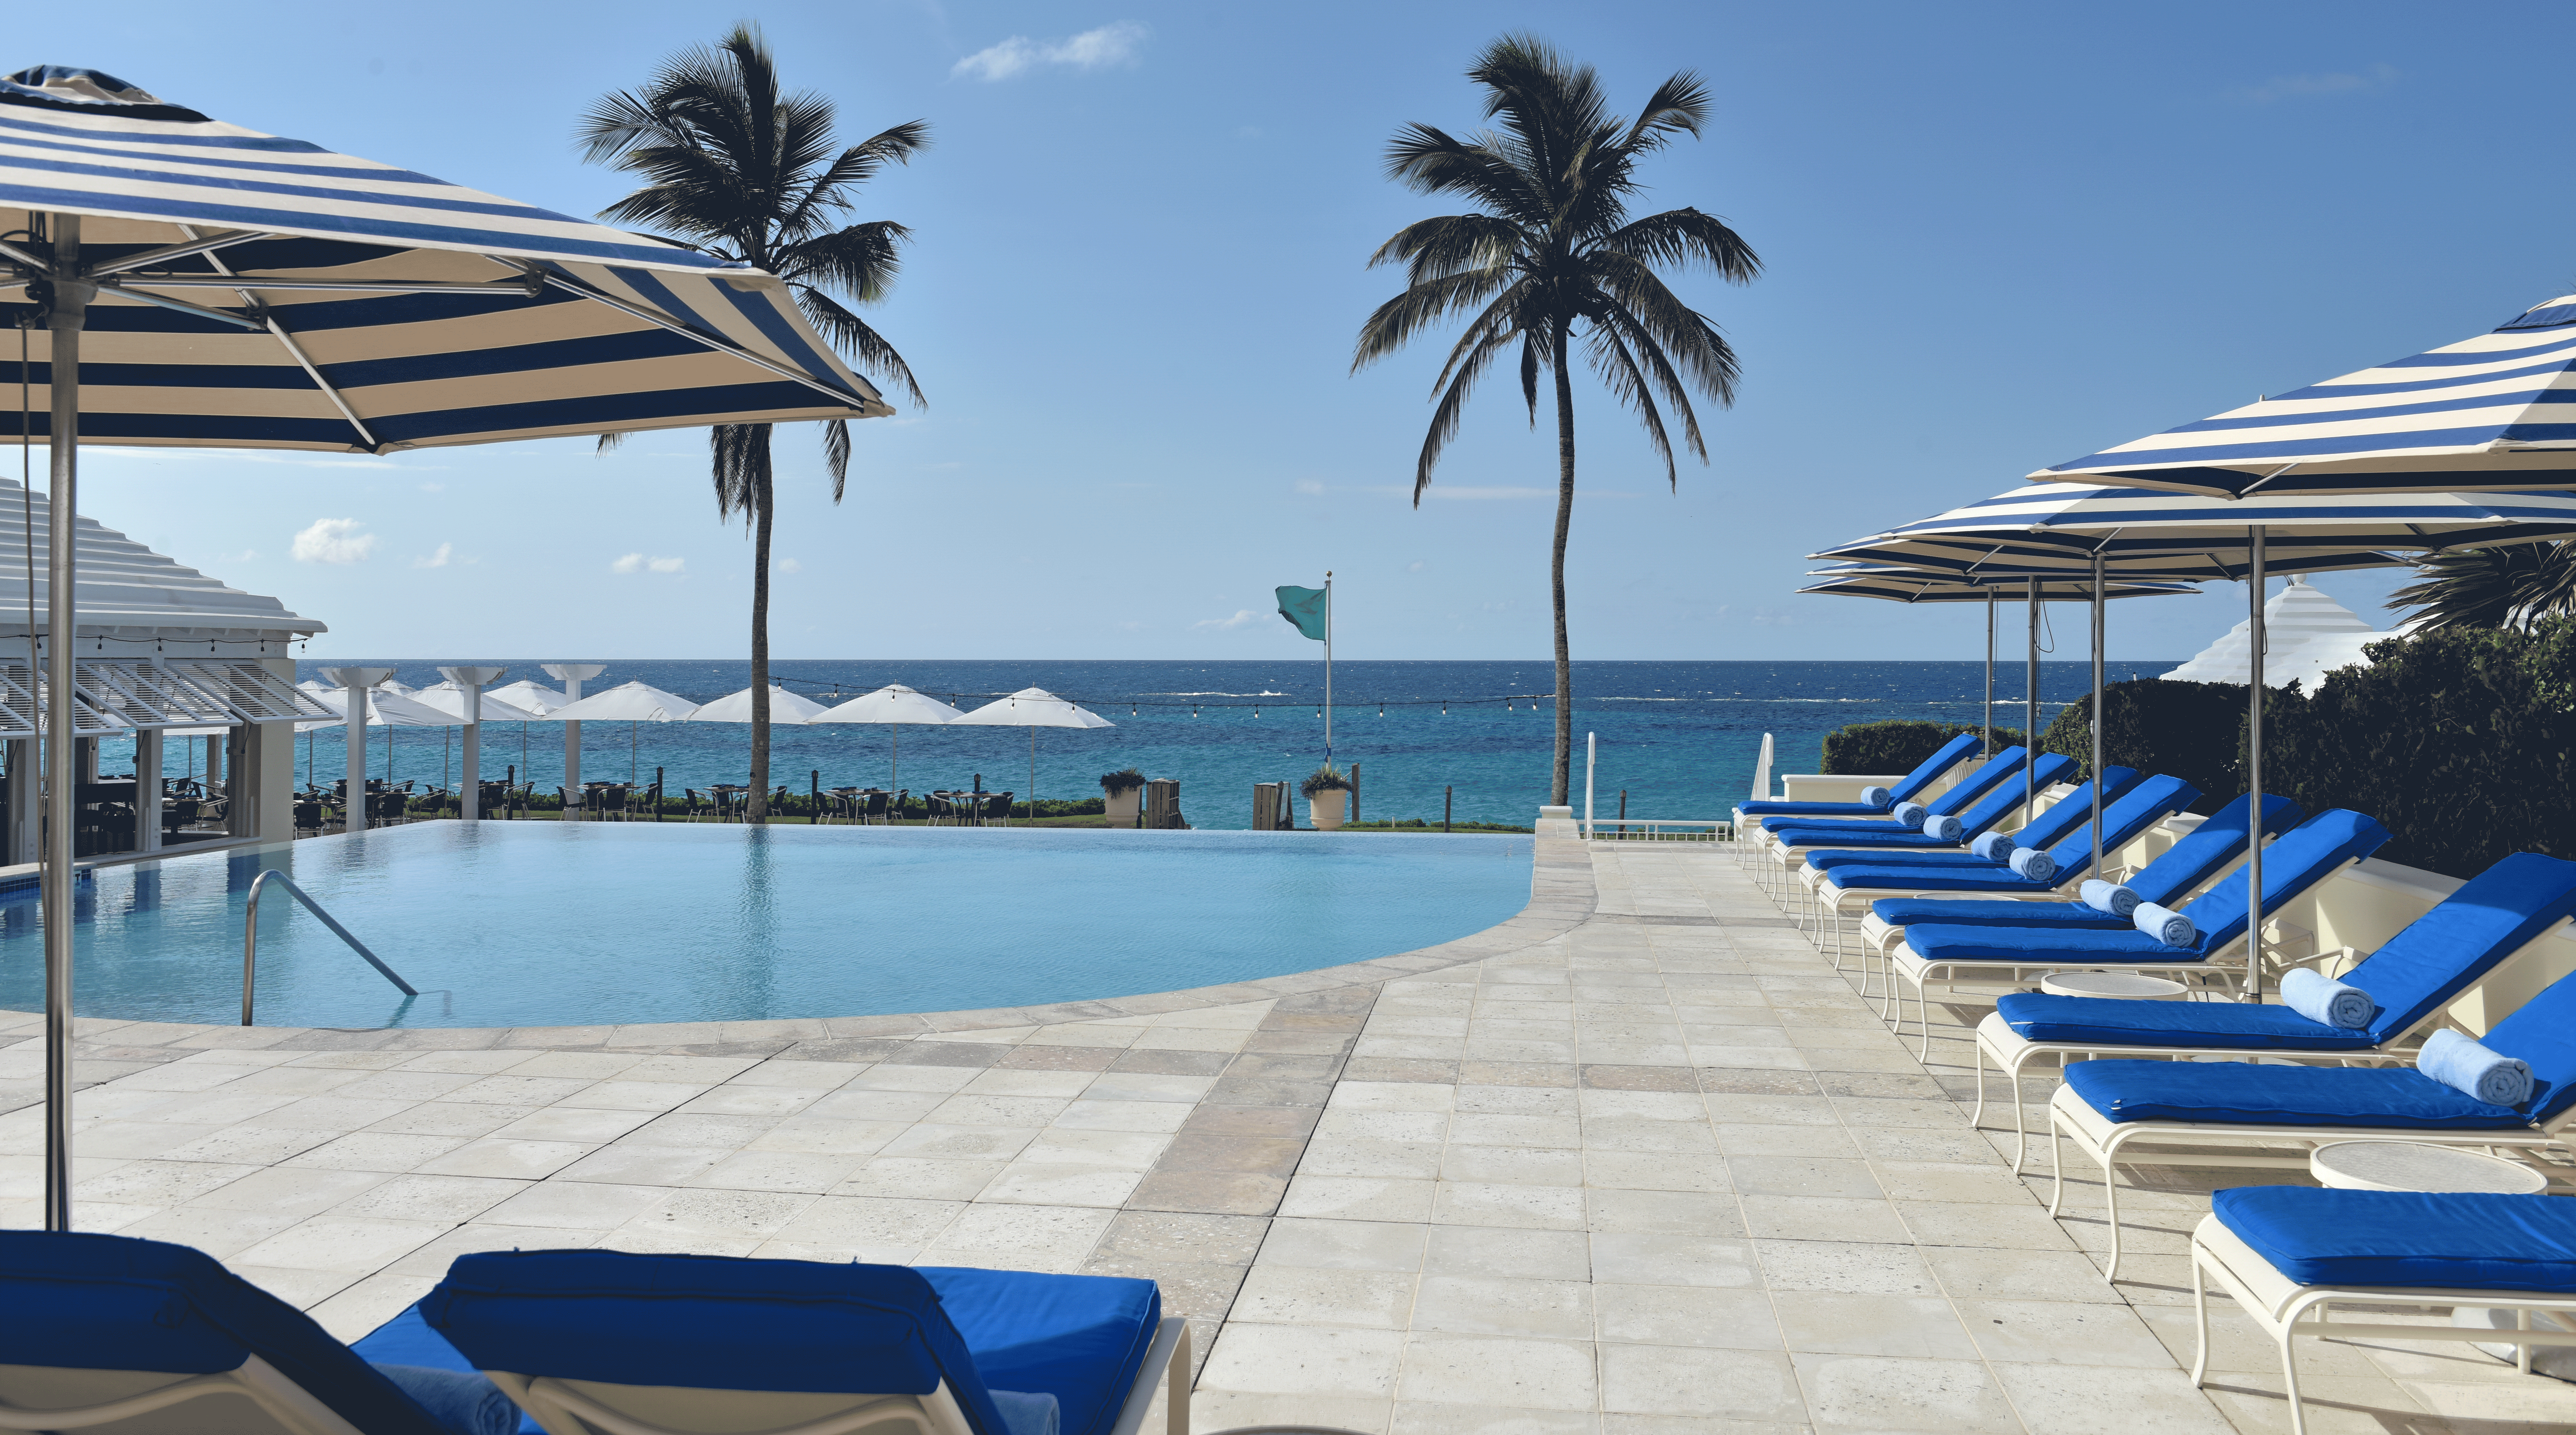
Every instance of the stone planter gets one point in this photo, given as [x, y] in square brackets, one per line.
[1324, 810]
[1122, 806]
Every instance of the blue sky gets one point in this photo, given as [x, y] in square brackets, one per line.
[1997, 236]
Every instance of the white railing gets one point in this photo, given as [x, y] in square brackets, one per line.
[1661, 829]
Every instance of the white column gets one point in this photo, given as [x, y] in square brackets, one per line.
[147, 790]
[354, 683]
[470, 683]
[572, 675]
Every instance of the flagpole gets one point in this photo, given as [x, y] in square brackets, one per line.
[1328, 667]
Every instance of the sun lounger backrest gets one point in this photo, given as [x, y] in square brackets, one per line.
[2543, 1033]
[2075, 809]
[2442, 953]
[1950, 756]
[2005, 799]
[76, 1300]
[2131, 813]
[714, 1323]
[2295, 861]
[1980, 782]
[2212, 845]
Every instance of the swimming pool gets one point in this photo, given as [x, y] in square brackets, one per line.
[545, 924]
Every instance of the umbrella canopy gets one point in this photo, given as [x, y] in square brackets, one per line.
[2497, 411]
[1031, 707]
[530, 695]
[893, 703]
[256, 291]
[449, 698]
[784, 707]
[1903, 585]
[2207, 536]
[384, 709]
[627, 702]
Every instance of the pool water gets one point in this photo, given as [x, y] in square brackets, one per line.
[542, 924]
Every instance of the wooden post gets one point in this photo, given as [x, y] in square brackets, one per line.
[814, 795]
[1447, 796]
[1355, 794]
[509, 789]
[657, 794]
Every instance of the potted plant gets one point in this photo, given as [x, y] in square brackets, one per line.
[1119, 793]
[1328, 796]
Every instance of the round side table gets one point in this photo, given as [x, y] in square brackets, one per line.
[2134, 986]
[2412, 1166]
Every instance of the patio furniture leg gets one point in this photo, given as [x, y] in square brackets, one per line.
[2056, 1165]
[1176, 1389]
[2290, 1373]
[2200, 1319]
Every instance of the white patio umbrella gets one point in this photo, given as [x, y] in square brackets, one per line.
[384, 709]
[1031, 708]
[265, 292]
[784, 707]
[633, 704]
[530, 695]
[2137, 524]
[450, 699]
[893, 704]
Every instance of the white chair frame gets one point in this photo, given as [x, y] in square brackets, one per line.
[578, 1408]
[2108, 1142]
[296, 1411]
[2286, 1309]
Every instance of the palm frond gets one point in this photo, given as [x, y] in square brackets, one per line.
[1628, 384]
[1449, 244]
[1679, 106]
[847, 331]
[740, 454]
[836, 454]
[2510, 586]
[1427, 160]
[860, 261]
[1697, 344]
[1396, 321]
[1452, 407]
[1685, 238]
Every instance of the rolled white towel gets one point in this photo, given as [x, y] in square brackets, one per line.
[2169, 927]
[1993, 846]
[2324, 1000]
[2033, 863]
[2109, 897]
[1911, 814]
[1878, 797]
[1944, 828]
[2463, 1064]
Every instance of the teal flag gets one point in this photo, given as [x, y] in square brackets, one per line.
[1303, 607]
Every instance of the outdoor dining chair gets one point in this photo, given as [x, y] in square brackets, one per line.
[998, 805]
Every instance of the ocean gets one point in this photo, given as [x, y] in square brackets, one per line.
[1679, 737]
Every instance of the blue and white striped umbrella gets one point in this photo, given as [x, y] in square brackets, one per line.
[1898, 584]
[2133, 527]
[255, 291]
[2496, 412]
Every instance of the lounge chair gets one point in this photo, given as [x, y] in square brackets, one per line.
[120, 1336]
[1980, 800]
[1840, 885]
[2107, 1106]
[1947, 956]
[2047, 830]
[1951, 803]
[1793, 846]
[2288, 1253]
[596, 1342]
[1752, 814]
[2498, 915]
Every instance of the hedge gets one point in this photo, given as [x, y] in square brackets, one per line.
[2457, 740]
[1896, 745]
[2195, 731]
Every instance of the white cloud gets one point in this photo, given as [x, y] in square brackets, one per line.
[1310, 485]
[1091, 50]
[433, 488]
[334, 540]
[2309, 87]
[790, 565]
[1243, 618]
[1416, 566]
[638, 563]
[438, 559]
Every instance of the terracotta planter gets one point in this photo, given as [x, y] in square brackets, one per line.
[1122, 806]
[1324, 810]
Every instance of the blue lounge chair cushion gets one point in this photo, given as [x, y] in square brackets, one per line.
[1921, 777]
[2036, 1016]
[2300, 859]
[2243, 1094]
[2002, 801]
[2183, 866]
[2048, 828]
[729, 1323]
[407, 1340]
[2210, 846]
[100, 1302]
[2468, 1241]
[1968, 912]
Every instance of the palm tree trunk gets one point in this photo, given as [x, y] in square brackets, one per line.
[756, 809]
[1556, 571]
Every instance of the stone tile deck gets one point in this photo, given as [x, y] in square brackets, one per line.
[1638, 1161]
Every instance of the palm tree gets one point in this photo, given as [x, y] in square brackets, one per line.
[1549, 247]
[2513, 586]
[734, 168]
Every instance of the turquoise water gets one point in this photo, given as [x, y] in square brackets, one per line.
[536, 924]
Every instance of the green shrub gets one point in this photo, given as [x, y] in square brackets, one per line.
[2195, 731]
[1896, 745]
[2458, 741]
[1125, 779]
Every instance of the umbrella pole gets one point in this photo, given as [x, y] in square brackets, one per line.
[1033, 774]
[894, 762]
[2254, 769]
[2030, 717]
[63, 323]
[1990, 672]
[2097, 713]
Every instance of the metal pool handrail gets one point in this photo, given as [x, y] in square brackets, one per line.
[250, 936]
